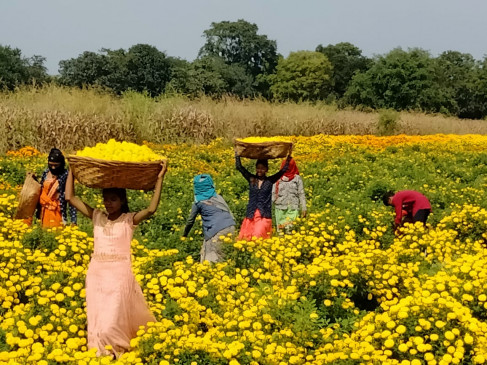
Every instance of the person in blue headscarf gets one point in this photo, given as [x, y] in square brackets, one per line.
[216, 217]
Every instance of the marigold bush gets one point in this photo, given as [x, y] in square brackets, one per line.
[340, 289]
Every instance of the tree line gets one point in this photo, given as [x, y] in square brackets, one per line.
[236, 60]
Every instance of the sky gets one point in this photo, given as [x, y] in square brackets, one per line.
[63, 29]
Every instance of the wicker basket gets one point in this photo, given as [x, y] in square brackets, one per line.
[29, 197]
[263, 150]
[96, 173]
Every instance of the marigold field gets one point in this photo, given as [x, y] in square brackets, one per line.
[341, 289]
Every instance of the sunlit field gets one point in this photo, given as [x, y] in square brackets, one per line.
[341, 289]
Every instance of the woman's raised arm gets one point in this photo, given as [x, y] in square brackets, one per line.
[154, 203]
[76, 202]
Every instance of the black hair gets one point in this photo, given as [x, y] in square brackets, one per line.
[387, 195]
[263, 162]
[122, 194]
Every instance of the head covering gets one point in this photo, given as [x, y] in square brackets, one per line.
[55, 155]
[203, 187]
[292, 170]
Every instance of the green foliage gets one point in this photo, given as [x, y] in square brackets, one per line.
[400, 80]
[3, 341]
[16, 70]
[303, 76]
[210, 75]
[346, 60]
[142, 68]
[387, 123]
[40, 239]
[238, 43]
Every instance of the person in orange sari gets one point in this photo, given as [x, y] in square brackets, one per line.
[52, 207]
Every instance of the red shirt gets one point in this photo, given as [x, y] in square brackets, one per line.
[409, 200]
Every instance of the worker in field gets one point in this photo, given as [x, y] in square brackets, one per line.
[52, 207]
[288, 197]
[216, 217]
[411, 206]
[258, 218]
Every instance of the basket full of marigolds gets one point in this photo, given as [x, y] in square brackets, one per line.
[117, 165]
[262, 147]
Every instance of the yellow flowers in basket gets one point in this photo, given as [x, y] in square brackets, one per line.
[120, 151]
[117, 165]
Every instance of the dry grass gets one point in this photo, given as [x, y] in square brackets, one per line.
[72, 118]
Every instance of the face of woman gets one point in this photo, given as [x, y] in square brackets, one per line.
[260, 170]
[54, 167]
[112, 202]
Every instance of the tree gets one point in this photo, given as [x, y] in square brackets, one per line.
[211, 76]
[147, 69]
[401, 80]
[16, 70]
[37, 70]
[89, 68]
[346, 60]
[141, 68]
[457, 74]
[237, 43]
[304, 75]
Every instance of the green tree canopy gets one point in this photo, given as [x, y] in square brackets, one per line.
[237, 43]
[211, 76]
[346, 60]
[16, 70]
[457, 74]
[401, 80]
[141, 68]
[304, 75]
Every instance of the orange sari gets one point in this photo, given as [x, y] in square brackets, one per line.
[50, 206]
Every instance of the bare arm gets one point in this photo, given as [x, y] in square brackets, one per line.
[73, 200]
[154, 203]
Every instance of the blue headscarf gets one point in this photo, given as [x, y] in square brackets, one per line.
[203, 187]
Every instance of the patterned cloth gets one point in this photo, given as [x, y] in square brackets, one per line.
[62, 200]
[259, 197]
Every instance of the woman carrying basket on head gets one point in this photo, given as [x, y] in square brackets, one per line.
[115, 303]
[258, 218]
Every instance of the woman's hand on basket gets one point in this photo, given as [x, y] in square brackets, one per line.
[163, 170]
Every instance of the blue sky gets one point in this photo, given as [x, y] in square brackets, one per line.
[62, 29]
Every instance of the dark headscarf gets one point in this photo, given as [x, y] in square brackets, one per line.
[55, 155]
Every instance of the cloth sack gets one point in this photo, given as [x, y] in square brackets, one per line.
[29, 197]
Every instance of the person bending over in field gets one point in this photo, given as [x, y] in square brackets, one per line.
[288, 197]
[216, 217]
[52, 206]
[115, 304]
[410, 206]
[258, 218]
